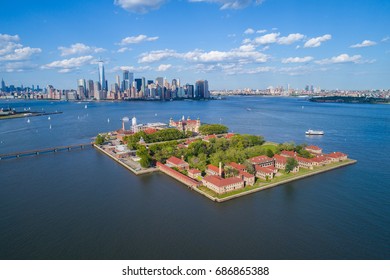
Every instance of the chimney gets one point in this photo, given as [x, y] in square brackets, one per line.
[123, 125]
[220, 169]
[182, 157]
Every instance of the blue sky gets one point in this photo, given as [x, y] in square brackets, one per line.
[231, 43]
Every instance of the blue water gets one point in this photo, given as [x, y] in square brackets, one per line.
[81, 205]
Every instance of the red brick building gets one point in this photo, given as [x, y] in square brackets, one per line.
[221, 185]
[178, 163]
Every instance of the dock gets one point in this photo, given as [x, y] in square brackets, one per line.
[44, 151]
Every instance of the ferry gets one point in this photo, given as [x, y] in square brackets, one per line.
[314, 132]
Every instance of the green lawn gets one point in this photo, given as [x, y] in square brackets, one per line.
[270, 146]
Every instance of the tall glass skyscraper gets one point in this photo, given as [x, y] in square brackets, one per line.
[102, 77]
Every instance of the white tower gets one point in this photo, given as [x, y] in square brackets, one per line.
[134, 124]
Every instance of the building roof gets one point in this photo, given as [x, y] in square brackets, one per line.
[236, 166]
[314, 148]
[150, 130]
[207, 137]
[280, 159]
[194, 171]
[264, 169]
[302, 159]
[213, 168]
[260, 159]
[176, 161]
[229, 135]
[221, 182]
[246, 174]
[288, 153]
[336, 155]
[319, 159]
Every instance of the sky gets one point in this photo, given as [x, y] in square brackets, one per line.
[234, 44]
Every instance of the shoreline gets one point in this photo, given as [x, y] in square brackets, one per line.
[233, 196]
[272, 185]
[136, 172]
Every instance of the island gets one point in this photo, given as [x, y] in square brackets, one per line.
[210, 160]
[350, 99]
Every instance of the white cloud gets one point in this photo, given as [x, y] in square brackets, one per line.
[66, 65]
[125, 49]
[249, 31]
[342, 58]
[129, 68]
[385, 39]
[267, 39]
[246, 41]
[18, 66]
[365, 43]
[139, 6]
[12, 50]
[247, 48]
[20, 54]
[163, 67]
[232, 4]
[9, 38]
[137, 39]
[244, 55]
[154, 56]
[291, 38]
[316, 42]
[79, 48]
[297, 59]
[261, 31]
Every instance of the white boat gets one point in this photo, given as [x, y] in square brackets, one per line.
[28, 120]
[85, 106]
[108, 120]
[49, 118]
[314, 132]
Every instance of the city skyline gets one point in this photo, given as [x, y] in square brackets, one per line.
[252, 44]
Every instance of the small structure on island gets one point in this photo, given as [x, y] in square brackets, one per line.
[134, 127]
[186, 124]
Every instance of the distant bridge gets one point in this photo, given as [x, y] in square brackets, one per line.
[44, 151]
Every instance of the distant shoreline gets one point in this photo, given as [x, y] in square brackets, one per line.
[19, 115]
[350, 99]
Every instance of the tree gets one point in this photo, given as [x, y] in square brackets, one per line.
[249, 167]
[145, 161]
[230, 171]
[100, 139]
[291, 164]
[207, 129]
[269, 153]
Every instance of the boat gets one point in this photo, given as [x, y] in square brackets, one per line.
[49, 118]
[28, 120]
[108, 120]
[85, 106]
[314, 132]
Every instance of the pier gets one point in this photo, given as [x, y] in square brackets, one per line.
[45, 151]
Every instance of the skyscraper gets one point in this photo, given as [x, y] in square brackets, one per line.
[90, 89]
[202, 89]
[138, 84]
[2, 85]
[102, 77]
[82, 89]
